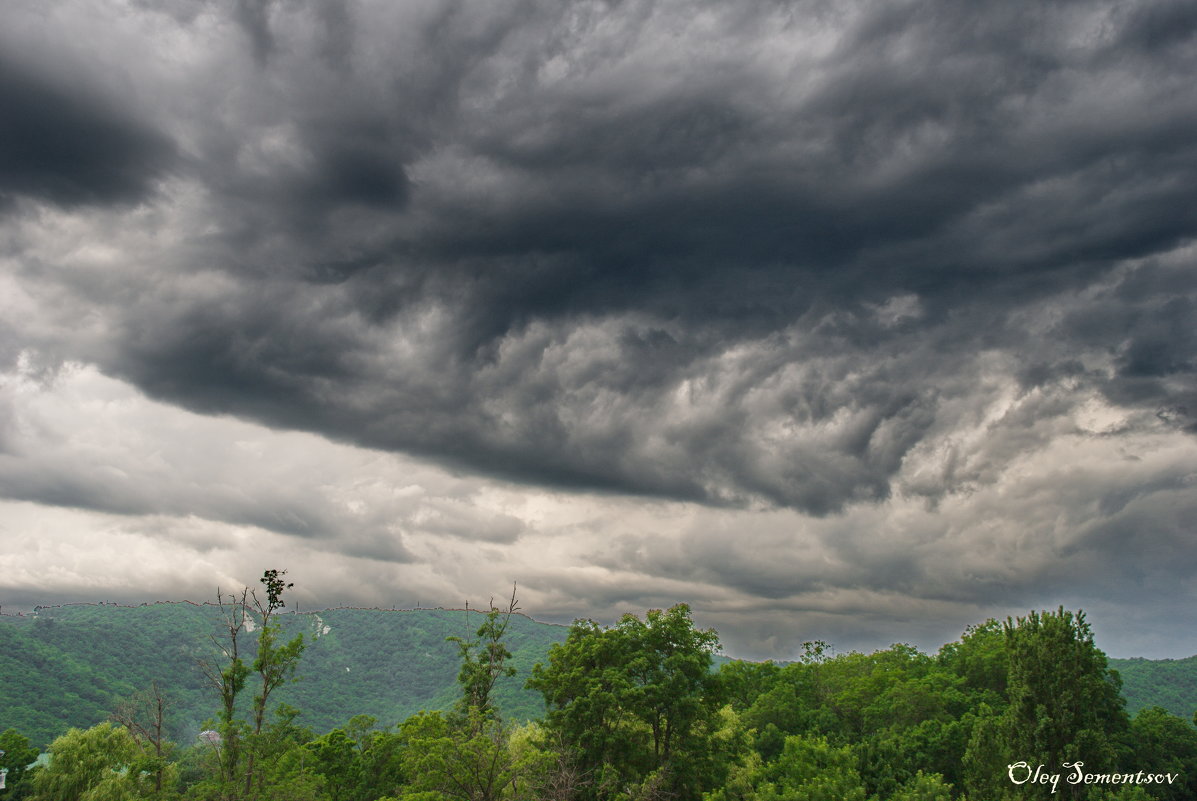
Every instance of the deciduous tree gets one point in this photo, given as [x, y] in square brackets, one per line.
[16, 755]
[636, 703]
[97, 764]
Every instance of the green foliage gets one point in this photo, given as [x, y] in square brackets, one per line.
[1167, 683]
[49, 685]
[249, 754]
[103, 763]
[986, 757]
[16, 755]
[636, 703]
[281, 769]
[272, 580]
[924, 787]
[275, 665]
[791, 703]
[1064, 702]
[635, 713]
[807, 769]
[470, 755]
[981, 660]
[70, 666]
[1127, 792]
[467, 760]
[358, 762]
[1164, 743]
[337, 759]
[901, 711]
[484, 661]
[744, 682]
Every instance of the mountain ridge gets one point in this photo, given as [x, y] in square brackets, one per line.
[69, 664]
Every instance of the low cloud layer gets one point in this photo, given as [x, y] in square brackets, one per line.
[816, 308]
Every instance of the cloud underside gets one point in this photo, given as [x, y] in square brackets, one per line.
[108, 495]
[886, 292]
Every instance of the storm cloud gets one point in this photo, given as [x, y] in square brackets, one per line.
[861, 268]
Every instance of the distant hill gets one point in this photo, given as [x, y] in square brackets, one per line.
[1169, 683]
[67, 666]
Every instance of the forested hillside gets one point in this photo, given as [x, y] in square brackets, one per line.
[326, 706]
[1167, 683]
[67, 666]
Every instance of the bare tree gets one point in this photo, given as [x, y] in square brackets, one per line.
[228, 677]
[144, 715]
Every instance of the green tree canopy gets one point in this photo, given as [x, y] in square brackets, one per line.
[1065, 703]
[635, 702]
[102, 763]
[1165, 743]
[16, 755]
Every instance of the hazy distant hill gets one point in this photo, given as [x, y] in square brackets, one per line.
[1170, 683]
[66, 666]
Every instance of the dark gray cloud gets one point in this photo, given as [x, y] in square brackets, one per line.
[61, 143]
[510, 236]
[637, 190]
[816, 257]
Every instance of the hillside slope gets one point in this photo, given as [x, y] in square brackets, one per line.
[68, 666]
[1168, 683]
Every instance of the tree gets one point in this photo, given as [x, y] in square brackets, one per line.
[1065, 702]
[275, 663]
[144, 716]
[241, 744]
[987, 756]
[807, 769]
[358, 762]
[743, 682]
[981, 660]
[636, 703]
[468, 755]
[228, 677]
[284, 766]
[1165, 743]
[791, 705]
[16, 755]
[924, 787]
[484, 660]
[98, 764]
[380, 757]
[468, 759]
[337, 759]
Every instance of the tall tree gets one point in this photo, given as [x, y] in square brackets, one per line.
[981, 659]
[274, 663]
[228, 676]
[1065, 702]
[484, 660]
[635, 703]
[241, 744]
[467, 756]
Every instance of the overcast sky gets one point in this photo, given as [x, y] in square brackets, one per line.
[858, 321]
